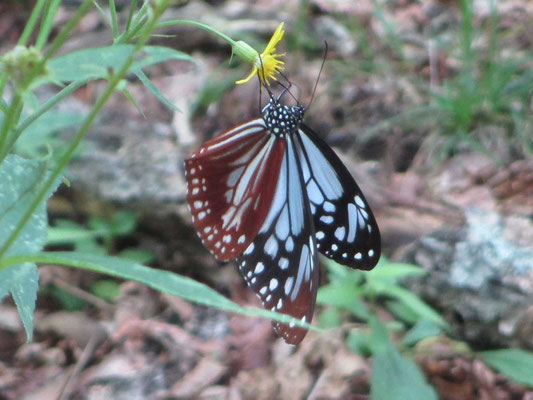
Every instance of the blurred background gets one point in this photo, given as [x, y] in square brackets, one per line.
[429, 105]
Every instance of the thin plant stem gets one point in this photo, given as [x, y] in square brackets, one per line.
[133, 6]
[198, 25]
[113, 83]
[9, 121]
[67, 91]
[47, 22]
[28, 29]
[114, 20]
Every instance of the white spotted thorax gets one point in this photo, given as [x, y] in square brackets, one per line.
[281, 119]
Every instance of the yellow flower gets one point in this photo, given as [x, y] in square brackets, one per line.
[266, 64]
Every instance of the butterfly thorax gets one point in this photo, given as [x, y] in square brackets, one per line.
[281, 119]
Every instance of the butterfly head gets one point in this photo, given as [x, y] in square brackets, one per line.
[281, 119]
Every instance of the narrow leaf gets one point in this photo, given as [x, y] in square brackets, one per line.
[395, 377]
[154, 89]
[160, 280]
[514, 363]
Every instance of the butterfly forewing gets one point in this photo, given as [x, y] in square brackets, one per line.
[231, 181]
[280, 265]
[346, 230]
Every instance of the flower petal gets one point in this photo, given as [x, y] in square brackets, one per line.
[276, 37]
[254, 71]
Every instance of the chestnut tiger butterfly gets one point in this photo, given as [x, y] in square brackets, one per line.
[272, 194]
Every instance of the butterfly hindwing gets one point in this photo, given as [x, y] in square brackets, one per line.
[231, 181]
[280, 265]
[345, 227]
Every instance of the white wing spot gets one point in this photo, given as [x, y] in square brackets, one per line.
[271, 246]
[195, 190]
[226, 238]
[241, 240]
[280, 304]
[283, 263]
[288, 285]
[358, 256]
[334, 247]
[263, 290]
[260, 267]
[359, 201]
[273, 284]
[314, 193]
[249, 249]
[289, 244]
[327, 219]
[320, 235]
[328, 207]
[201, 215]
[229, 195]
[352, 222]
[370, 253]
[340, 233]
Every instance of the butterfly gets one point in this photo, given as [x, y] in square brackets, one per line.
[272, 194]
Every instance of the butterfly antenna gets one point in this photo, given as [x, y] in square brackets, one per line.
[286, 89]
[319, 73]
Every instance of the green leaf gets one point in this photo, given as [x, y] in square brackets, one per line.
[344, 296]
[163, 281]
[394, 271]
[379, 336]
[152, 55]
[123, 222]
[395, 377]
[105, 289]
[423, 329]
[21, 180]
[95, 63]
[138, 255]
[32, 143]
[24, 282]
[359, 342]
[411, 301]
[154, 89]
[402, 312]
[329, 318]
[514, 363]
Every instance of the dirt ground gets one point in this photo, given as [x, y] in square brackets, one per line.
[373, 106]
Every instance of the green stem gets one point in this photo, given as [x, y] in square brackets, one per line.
[28, 29]
[114, 20]
[46, 24]
[65, 32]
[8, 122]
[113, 83]
[67, 91]
[198, 25]
[133, 6]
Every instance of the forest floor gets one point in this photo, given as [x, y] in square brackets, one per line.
[430, 127]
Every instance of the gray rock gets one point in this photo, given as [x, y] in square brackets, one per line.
[480, 277]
